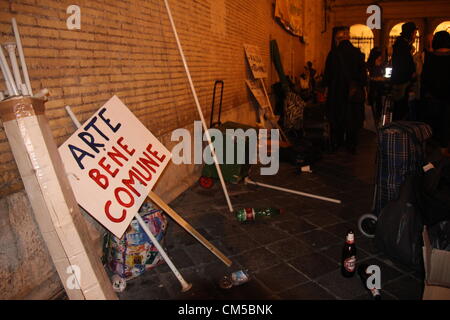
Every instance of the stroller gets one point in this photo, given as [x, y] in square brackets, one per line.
[401, 152]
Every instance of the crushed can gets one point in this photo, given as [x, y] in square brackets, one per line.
[239, 277]
[235, 279]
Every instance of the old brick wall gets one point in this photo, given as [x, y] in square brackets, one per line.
[126, 48]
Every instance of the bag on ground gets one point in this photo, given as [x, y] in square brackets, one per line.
[399, 227]
[134, 253]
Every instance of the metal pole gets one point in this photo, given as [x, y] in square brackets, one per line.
[247, 180]
[199, 109]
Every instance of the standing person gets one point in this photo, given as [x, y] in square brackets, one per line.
[436, 89]
[403, 70]
[376, 83]
[414, 100]
[312, 76]
[345, 77]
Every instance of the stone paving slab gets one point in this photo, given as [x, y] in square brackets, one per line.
[295, 255]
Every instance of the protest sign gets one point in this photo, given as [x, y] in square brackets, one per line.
[255, 61]
[112, 162]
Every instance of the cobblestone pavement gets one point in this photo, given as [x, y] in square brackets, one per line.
[292, 256]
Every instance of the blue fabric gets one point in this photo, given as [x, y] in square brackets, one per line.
[401, 152]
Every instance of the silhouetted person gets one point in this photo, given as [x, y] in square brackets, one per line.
[345, 77]
[403, 70]
[436, 89]
[376, 83]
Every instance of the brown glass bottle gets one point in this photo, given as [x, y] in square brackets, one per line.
[348, 268]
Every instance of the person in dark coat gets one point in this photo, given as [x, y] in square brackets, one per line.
[345, 77]
[436, 89]
[403, 70]
[376, 82]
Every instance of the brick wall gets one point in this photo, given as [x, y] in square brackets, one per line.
[127, 48]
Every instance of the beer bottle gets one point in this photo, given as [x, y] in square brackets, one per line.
[349, 256]
[250, 214]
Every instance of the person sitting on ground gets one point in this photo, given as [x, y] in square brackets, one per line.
[436, 89]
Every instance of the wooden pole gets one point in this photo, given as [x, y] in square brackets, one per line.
[52, 199]
[186, 226]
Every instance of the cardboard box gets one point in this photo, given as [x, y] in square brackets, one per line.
[437, 271]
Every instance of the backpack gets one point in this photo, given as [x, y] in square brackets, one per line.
[399, 227]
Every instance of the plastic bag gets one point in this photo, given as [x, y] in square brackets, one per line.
[440, 236]
[134, 253]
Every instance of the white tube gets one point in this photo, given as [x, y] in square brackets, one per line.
[11, 48]
[247, 180]
[73, 117]
[199, 109]
[185, 286]
[8, 75]
[7, 84]
[24, 89]
[22, 57]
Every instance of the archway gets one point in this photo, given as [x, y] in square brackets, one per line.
[444, 26]
[362, 37]
[395, 32]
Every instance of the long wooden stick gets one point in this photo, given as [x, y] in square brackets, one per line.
[186, 226]
[199, 109]
[247, 180]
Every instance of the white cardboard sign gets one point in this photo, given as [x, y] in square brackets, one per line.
[112, 162]
[258, 93]
[255, 61]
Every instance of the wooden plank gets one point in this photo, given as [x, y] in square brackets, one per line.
[186, 226]
[53, 201]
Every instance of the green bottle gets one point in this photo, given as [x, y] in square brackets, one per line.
[251, 214]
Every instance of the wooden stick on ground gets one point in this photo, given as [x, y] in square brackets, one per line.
[186, 226]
